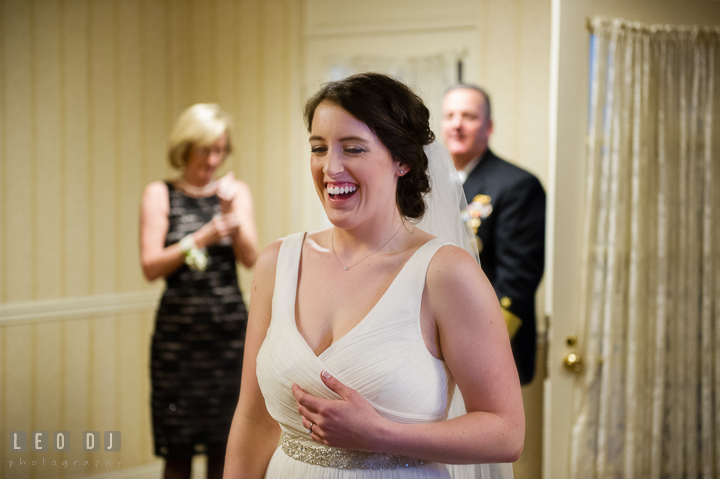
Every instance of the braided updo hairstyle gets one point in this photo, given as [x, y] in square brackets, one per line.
[400, 120]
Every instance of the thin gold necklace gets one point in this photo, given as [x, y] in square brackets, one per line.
[332, 243]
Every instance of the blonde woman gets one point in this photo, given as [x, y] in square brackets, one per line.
[193, 230]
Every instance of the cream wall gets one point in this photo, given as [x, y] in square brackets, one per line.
[88, 92]
[515, 69]
[511, 58]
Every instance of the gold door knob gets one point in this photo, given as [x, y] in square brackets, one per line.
[573, 362]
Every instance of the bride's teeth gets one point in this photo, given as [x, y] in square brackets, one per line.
[339, 190]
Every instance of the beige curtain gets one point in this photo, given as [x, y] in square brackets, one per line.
[650, 401]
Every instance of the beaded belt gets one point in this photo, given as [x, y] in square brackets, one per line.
[325, 456]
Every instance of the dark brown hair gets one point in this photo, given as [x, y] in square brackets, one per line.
[398, 118]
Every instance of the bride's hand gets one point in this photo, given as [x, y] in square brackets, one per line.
[350, 422]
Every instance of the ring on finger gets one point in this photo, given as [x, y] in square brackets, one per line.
[310, 431]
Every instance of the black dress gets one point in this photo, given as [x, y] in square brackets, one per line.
[198, 343]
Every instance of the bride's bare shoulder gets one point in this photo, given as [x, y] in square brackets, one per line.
[456, 285]
[267, 261]
[452, 265]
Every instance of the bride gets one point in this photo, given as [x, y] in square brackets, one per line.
[359, 334]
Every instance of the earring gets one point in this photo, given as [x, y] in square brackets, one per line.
[402, 172]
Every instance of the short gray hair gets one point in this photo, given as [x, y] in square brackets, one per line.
[472, 86]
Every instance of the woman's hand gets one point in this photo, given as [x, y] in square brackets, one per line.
[236, 222]
[227, 189]
[350, 422]
[227, 224]
[217, 229]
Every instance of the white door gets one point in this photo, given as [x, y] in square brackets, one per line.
[568, 113]
[568, 128]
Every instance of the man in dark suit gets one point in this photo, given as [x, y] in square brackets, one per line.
[507, 204]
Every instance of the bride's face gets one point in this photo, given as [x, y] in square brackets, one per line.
[354, 174]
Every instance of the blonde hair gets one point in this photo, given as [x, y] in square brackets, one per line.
[199, 125]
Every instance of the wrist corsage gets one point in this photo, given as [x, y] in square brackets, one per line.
[195, 258]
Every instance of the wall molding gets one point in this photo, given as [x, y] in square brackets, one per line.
[392, 29]
[148, 471]
[153, 470]
[78, 307]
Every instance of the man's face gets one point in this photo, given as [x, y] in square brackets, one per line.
[465, 126]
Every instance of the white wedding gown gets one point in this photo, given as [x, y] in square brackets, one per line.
[384, 358]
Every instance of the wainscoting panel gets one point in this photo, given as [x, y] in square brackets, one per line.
[76, 375]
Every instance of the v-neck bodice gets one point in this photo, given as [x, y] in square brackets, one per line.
[384, 357]
[399, 278]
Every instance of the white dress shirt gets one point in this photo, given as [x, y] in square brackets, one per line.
[463, 174]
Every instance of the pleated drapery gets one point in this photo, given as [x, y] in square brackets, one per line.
[649, 404]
